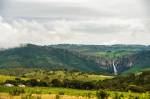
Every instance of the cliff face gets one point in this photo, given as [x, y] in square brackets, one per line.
[136, 61]
[122, 63]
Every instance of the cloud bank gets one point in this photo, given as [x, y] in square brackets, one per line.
[102, 31]
[45, 22]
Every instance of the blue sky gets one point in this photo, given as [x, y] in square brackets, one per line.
[47, 22]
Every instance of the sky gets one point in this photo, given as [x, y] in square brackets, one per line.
[100, 22]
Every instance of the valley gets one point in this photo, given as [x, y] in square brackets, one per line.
[75, 72]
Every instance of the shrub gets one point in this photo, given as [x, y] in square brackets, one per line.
[49, 92]
[101, 94]
[56, 83]
[117, 96]
[61, 93]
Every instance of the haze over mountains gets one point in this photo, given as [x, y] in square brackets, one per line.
[87, 58]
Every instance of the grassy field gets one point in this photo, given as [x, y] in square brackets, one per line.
[61, 75]
[42, 96]
[49, 90]
[3, 78]
[65, 93]
[112, 54]
[98, 77]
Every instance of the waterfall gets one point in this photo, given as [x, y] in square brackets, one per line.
[114, 68]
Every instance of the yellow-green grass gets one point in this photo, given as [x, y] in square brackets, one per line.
[74, 92]
[3, 78]
[61, 75]
[47, 90]
[55, 96]
[41, 96]
[99, 77]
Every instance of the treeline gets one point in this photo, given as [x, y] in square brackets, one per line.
[133, 82]
[54, 83]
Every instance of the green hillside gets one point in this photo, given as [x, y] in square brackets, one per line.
[101, 48]
[140, 54]
[32, 56]
[87, 58]
[142, 62]
[108, 51]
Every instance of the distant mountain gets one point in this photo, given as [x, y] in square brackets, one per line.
[88, 58]
[101, 48]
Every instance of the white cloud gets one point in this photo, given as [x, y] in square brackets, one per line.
[100, 31]
[74, 21]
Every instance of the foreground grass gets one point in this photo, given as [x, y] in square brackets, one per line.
[49, 91]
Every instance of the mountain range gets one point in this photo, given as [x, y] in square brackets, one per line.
[86, 58]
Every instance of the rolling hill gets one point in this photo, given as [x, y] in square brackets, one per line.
[32, 56]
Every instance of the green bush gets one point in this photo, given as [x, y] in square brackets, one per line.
[117, 96]
[61, 93]
[101, 94]
[56, 83]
